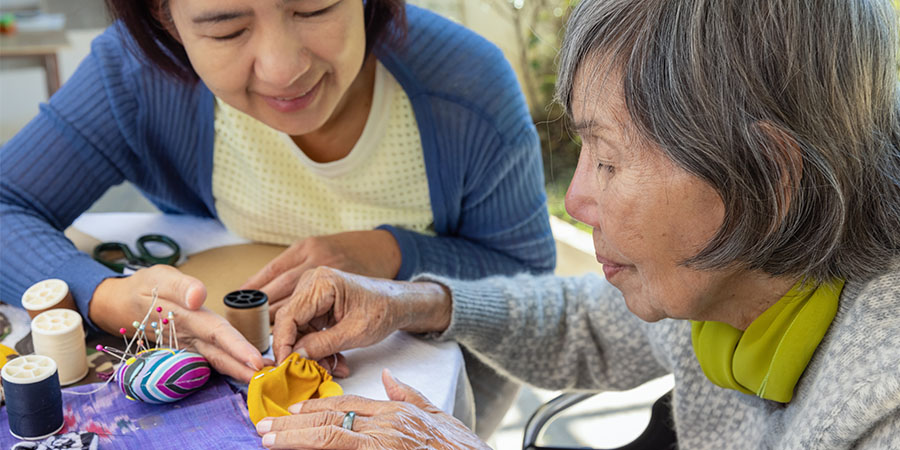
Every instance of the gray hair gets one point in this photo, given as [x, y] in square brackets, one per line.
[788, 108]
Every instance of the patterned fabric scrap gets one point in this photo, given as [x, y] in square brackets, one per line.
[213, 418]
[66, 441]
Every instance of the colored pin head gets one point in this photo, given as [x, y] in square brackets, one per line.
[171, 315]
[135, 324]
[122, 331]
[142, 327]
[99, 348]
[153, 325]
[165, 321]
[159, 309]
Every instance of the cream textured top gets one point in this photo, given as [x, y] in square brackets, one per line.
[266, 189]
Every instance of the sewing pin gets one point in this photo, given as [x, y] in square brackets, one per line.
[122, 331]
[166, 322]
[112, 351]
[172, 329]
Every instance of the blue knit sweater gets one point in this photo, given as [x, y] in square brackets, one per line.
[120, 118]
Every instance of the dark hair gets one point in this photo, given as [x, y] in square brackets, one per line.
[385, 24]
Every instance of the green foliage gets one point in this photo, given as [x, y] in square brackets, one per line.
[539, 25]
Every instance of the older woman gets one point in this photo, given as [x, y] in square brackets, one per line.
[741, 170]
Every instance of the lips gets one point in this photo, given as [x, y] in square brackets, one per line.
[291, 102]
[610, 268]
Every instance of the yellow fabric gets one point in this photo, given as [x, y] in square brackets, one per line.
[5, 353]
[273, 389]
[768, 358]
[267, 190]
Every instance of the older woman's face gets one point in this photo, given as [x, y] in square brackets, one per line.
[287, 63]
[648, 214]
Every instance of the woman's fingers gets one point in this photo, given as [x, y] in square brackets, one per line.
[336, 365]
[274, 308]
[345, 335]
[223, 362]
[400, 392]
[284, 334]
[314, 296]
[173, 285]
[360, 405]
[280, 289]
[210, 328]
[282, 263]
[312, 420]
[328, 437]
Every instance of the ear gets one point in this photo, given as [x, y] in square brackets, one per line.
[785, 154]
[161, 12]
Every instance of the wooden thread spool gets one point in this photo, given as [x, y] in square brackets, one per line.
[58, 334]
[248, 312]
[33, 397]
[46, 295]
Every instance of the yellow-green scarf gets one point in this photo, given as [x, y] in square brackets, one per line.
[768, 358]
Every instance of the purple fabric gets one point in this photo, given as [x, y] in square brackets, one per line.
[213, 418]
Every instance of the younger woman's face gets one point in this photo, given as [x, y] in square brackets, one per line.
[287, 63]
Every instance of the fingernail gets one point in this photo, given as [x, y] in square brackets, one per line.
[302, 352]
[294, 409]
[264, 426]
[269, 440]
[252, 366]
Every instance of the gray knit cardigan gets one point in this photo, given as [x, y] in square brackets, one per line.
[577, 334]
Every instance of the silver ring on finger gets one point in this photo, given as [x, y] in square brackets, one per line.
[348, 421]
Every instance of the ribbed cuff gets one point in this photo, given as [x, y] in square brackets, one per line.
[83, 275]
[409, 251]
[480, 312]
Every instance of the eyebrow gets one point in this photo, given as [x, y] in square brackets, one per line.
[587, 125]
[224, 16]
[221, 16]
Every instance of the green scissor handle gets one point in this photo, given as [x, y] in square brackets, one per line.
[118, 256]
[114, 255]
[169, 259]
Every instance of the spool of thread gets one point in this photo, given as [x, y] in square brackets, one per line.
[248, 312]
[46, 295]
[58, 334]
[33, 397]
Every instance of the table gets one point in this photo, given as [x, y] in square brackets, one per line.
[434, 368]
[43, 45]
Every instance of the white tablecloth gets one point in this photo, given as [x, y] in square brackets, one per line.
[434, 368]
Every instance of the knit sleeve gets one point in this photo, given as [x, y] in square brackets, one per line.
[52, 171]
[885, 434]
[555, 333]
[496, 203]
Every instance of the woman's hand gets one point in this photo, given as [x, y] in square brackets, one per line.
[118, 302]
[408, 421]
[372, 253]
[331, 311]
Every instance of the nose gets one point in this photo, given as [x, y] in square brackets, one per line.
[281, 59]
[581, 197]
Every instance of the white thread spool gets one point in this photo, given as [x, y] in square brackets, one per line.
[58, 334]
[46, 295]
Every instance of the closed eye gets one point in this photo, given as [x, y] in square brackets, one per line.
[230, 36]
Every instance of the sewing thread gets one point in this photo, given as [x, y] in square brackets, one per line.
[58, 334]
[248, 311]
[46, 295]
[33, 397]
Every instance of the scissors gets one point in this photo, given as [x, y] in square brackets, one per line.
[118, 256]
